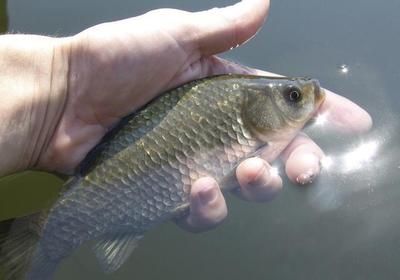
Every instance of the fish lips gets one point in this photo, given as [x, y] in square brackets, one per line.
[319, 97]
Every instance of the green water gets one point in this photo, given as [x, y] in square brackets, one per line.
[346, 226]
[26, 193]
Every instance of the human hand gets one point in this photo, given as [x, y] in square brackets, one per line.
[115, 68]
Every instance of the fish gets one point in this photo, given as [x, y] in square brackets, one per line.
[140, 174]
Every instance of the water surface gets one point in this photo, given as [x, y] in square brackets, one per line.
[347, 225]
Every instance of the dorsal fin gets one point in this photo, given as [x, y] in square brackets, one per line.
[113, 250]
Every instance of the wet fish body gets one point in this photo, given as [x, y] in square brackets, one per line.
[140, 174]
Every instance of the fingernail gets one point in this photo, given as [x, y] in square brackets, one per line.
[208, 194]
[306, 178]
[310, 167]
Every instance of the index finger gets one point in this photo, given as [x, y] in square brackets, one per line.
[344, 115]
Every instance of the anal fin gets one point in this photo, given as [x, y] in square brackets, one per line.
[112, 251]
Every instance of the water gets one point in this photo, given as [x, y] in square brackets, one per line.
[346, 226]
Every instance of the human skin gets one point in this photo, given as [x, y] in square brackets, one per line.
[59, 96]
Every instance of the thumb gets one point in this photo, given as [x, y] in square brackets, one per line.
[221, 29]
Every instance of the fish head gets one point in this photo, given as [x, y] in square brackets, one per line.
[275, 109]
[296, 100]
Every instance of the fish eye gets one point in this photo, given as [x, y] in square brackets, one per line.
[293, 94]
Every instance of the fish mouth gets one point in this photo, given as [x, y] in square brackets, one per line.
[319, 94]
[319, 98]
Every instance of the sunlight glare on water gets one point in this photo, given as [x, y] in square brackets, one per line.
[357, 162]
[360, 157]
[326, 162]
[344, 69]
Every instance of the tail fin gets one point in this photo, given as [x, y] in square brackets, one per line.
[17, 247]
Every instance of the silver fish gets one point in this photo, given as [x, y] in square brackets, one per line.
[139, 176]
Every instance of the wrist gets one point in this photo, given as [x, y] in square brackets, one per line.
[52, 103]
[33, 89]
[73, 135]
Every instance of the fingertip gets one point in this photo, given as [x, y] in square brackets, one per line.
[248, 16]
[207, 206]
[302, 166]
[257, 181]
[204, 189]
[251, 170]
[344, 115]
[224, 28]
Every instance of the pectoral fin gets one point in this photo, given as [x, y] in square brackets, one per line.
[113, 251]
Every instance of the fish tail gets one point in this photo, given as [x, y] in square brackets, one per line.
[17, 246]
[42, 267]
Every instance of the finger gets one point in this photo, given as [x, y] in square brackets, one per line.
[215, 30]
[302, 160]
[257, 181]
[207, 206]
[220, 29]
[344, 115]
